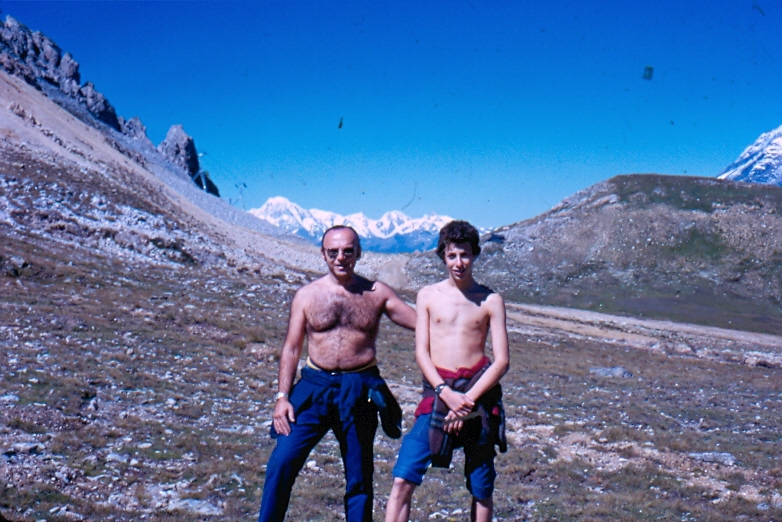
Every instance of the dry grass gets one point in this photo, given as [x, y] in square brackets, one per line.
[147, 383]
[154, 384]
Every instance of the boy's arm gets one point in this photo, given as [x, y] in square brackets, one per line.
[457, 402]
[499, 342]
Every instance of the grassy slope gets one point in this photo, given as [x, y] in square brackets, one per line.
[182, 363]
[144, 369]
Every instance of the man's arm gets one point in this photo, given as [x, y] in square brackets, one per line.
[457, 402]
[500, 350]
[289, 360]
[397, 310]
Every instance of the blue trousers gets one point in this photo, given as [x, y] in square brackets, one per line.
[415, 457]
[325, 402]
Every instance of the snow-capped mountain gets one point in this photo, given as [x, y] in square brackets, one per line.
[393, 232]
[761, 162]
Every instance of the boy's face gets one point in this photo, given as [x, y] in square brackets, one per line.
[458, 260]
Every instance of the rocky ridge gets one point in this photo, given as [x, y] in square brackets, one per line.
[41, 63]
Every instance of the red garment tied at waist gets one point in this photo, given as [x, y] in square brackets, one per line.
[427, 403]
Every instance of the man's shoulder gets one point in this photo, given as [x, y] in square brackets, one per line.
[363, 281]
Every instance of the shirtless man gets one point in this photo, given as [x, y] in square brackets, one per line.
[340, 387]
[454, 318]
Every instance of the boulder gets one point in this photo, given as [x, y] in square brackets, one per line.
[726, 459]
[616, 371]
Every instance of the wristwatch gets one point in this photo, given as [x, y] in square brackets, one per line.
[439, 388]
[280, 395]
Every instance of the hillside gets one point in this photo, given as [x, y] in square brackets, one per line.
[681, 248]
[140, 323]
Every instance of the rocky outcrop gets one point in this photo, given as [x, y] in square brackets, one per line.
[41, 63]
[133, 128]
[33, 56]
[99, 106]
[179, 148]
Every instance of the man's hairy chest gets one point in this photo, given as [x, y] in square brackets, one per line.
[357, 312]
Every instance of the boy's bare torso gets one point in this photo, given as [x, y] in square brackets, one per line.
[458, 324]
[342, 324]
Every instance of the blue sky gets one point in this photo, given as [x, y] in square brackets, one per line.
[487, 111]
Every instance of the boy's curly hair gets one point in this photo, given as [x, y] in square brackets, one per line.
[458, 232]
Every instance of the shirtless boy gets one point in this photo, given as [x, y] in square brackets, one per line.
[453, 320]
[340, 387]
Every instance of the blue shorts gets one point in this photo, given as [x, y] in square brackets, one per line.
[415, 458]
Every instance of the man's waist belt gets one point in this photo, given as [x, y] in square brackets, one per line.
[312, 365]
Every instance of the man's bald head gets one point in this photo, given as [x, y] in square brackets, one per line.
[343, 227]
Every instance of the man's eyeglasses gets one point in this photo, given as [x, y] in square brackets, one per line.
[332, 253]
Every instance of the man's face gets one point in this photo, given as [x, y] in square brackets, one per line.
[458, 260]
[340, 250]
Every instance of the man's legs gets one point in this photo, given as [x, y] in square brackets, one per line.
[356, 436]
[398, 508]
[288, 458]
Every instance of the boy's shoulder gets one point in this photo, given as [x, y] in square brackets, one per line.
[426, 292]
[434, 287]
[483, 292]
[483, 289]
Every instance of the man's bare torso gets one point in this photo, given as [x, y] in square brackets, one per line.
[458, 324]
[342, 323]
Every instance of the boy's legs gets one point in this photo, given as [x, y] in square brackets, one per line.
[414, 459]
[480, 473]
[481, 510]
[398, 508]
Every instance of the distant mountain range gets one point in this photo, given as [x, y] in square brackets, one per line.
[761, 162]
[393, 232]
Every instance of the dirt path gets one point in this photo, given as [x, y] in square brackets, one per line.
[661, 336]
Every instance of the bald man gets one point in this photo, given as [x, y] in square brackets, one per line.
[340, 387]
